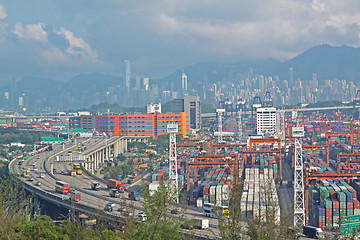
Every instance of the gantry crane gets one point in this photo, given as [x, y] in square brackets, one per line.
[205, 160]
[314, 175]
[346, 156]
[172, 129]
[299, 201]
[323, 147]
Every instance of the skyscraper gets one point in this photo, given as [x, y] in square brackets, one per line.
[127, 75]
[184, 82]
[291, 77]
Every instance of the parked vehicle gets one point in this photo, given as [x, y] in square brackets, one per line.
[76, 197]
[133, 195]
[95, 186]
[313, 232]
[114, 193]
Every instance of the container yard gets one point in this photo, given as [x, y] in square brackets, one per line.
[259, 197]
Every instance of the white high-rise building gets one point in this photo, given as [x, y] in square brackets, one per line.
[184, 82]
[266, 121]
[146, 83]
[127, 75]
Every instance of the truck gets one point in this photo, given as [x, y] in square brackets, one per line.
[113, 192]
[112, 183]
[134, 195]
[76, 197]
[95, 186]
[196, 224]
[130, 180]
[71, 187]
[77, 168]
[313, 232]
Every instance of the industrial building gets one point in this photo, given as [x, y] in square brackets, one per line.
[266, 121]
[152, 125]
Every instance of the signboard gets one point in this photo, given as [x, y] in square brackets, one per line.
[72, 158]
[86, 135]
[350, 224]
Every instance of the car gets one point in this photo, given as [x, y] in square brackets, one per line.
[127, 213]
[38, 157]
[35, 169]
[34, 164]
[109, 206]
[30, 179]
[122, 209]
[54, 169]
[62, 173]
[174, 211]
[42, 175]
[38, 183]
[140, 217]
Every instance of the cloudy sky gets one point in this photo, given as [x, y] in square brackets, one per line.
[60, 38]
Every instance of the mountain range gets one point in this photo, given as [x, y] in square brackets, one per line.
[328, 62]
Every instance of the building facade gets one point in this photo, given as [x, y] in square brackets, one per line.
[190, 105]
[266, 121]
[152, 125]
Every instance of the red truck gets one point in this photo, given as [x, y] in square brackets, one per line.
[112, 183]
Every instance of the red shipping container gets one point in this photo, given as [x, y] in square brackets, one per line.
[349, 205]
[353, 193]
[356, 204]
[332, 193]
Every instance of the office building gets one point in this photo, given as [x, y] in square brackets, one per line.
[266, 121]
[153, 108]
[190, 105]
[152, 125]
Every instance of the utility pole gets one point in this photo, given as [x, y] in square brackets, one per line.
[299, 196]
[172, 129]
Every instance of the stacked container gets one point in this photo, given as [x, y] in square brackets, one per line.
[254, 202]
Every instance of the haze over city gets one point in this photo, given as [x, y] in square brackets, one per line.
[60, 39]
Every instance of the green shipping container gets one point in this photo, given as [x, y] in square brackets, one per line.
[349, 212]
[342, 212]
[328, 203]
[342, 197]
[342, 205]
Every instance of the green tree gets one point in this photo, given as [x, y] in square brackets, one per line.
[159, 224]
[232, 228]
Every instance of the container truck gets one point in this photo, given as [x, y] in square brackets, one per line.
[76, 197]
[95, 186]
[114, 193]
[313, 232]
[112, 183]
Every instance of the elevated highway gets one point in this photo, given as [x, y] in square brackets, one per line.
[92, 202]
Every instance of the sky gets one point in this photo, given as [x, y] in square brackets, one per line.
[59, 39]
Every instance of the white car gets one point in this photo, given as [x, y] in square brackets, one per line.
[35, 169]
[140, 217]
[42, 175]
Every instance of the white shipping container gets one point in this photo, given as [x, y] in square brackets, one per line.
[199, 202]
[212, 190]
[225, 192]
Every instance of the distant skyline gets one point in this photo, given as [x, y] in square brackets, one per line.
[60, 39]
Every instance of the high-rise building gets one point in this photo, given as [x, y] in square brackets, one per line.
[192, 107]
[266, 121]
[291, 77]
[184, 82]
[127, 75]
[146, 83]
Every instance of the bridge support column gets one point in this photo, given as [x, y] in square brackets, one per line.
[36, 205]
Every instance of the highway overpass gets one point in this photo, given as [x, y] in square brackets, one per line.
[92, 202]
